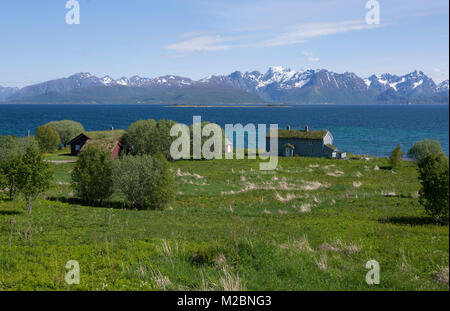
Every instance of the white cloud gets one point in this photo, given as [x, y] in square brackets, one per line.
[202, 44]
[256, 37]
[304, 32]
[311, 57]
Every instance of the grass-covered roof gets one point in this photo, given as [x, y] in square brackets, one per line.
[298, 134]
[105, 140]
[332, 147]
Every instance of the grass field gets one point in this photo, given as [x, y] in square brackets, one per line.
[312, 224]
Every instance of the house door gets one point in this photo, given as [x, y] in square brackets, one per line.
[288, 152]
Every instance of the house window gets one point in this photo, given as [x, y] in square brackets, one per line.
[77, 147]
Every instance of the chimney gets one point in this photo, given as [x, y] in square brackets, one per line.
[288, 127]
[306, 128]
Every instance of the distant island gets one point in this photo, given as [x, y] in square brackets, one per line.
[243, 105]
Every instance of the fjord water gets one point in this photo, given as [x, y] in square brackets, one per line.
[359, 129]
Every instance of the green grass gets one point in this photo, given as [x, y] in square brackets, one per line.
[310, 225]
[60, 155]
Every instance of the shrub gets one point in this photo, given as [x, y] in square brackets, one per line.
[92, 176]
[424, 147]
[433, 175]
[12, 150]
[138, 137]
[146, 181]
[396, 157]
[67, 129]
[48, 138]
[165, 187]
[148, 137]
[33, 175]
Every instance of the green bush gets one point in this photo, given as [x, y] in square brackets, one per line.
[67, 130]
[33, 175]
[424, 147]
[165, 187]
[12, 150]
[396, 157]
[48, 138]
[92, 176]
[433, 175]
[149, 137]
[146, 181]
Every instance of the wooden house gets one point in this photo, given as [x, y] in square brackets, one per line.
[305, 143]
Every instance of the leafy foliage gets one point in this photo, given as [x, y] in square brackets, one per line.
[92, 176]
[67, 129]
[12, 150]
[396, 157]
[148, 137]
[146, 181]
[424, 147]
[33, 175]
[434, 178]
[139, 136]
[48, 138]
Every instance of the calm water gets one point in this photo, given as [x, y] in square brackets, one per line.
[373, 130]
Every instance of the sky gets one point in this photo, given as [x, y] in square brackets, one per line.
[198, 38]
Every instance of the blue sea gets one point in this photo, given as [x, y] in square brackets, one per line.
[360, 129]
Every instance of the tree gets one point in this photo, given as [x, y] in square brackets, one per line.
[138, 139]
[12, 150]
[165, 188]
[67, 130]
[149, 137]
[48, 138]
[162, 139]
[423, 148]
[146, 181]
[434, 178]
[33, 175]
[396, 157]
[92, 176]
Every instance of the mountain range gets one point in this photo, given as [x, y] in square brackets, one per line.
[277, 85]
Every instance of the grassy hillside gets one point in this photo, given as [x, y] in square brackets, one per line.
[310, 225]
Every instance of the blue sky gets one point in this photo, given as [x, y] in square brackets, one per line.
[197, 38]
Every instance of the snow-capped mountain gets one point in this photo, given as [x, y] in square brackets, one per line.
[281, 78]
[278, 84]
[286, 85]
[443, 87]
[414, 84]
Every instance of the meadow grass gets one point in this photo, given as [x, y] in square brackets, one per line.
[311, 224]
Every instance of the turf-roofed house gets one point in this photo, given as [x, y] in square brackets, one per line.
[305, 143]
[109, 141]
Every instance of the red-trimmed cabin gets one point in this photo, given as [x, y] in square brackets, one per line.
[77, 144]
[115, 152]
